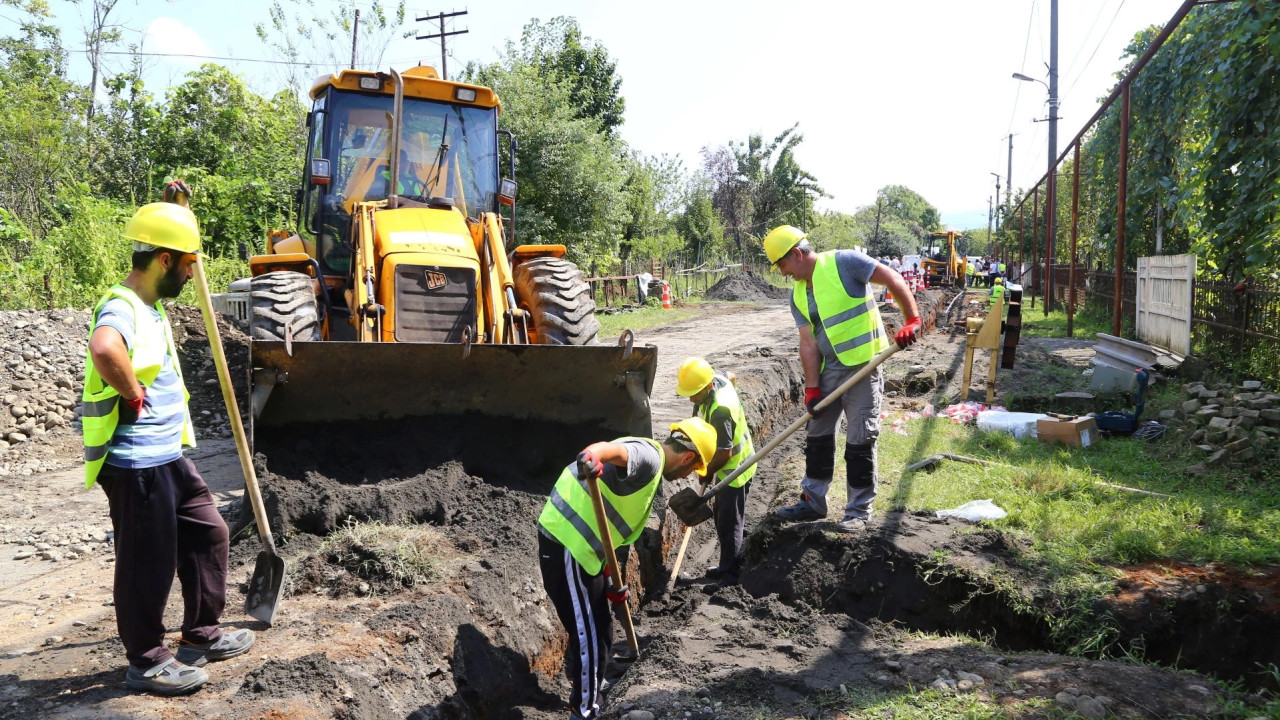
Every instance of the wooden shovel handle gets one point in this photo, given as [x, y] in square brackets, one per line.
[611, 559]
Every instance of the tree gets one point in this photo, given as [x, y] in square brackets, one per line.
[297, 34]
[100, 33]
[562, 53]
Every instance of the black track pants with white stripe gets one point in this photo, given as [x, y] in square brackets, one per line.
[584, 611]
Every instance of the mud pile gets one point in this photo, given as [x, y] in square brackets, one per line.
[746, 287]
[928, 301]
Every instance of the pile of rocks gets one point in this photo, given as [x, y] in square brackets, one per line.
[1229, 423]
[43, 372]
[66, 542]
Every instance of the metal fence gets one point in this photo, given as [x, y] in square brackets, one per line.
[686, 282]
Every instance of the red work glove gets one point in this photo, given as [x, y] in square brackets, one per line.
[909, 333]
[589, 464]
[812, 396]
[618, 596]
[134, 405]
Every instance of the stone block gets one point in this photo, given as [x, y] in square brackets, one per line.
[1219, 423]
[1197, 469]
[1168, 414]
[1260, 404]
[1267, 431]
[1191, 406]
[1237, 446]
[1251, 385]
[1229, 411]
[1209, 411]
[1198, 436]
[1207, 448]
[1215, 437]
[1216, 459]
[1209, 394]
[1271, 415]
[1236, 432]
[1245, 455]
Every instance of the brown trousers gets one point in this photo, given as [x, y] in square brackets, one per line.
[165, 520]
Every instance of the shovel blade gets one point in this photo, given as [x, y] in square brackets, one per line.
[690, 507]
[265, 587]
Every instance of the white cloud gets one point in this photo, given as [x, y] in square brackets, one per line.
[170, 35]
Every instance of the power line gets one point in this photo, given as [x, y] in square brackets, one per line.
[1101, 40]
[1018, 92]
[198, 57]
[1085, 42]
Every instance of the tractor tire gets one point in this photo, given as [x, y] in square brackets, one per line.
[280, 300]
[558, 300]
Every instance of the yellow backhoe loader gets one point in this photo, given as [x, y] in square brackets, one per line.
[403, 295]
[945, 266]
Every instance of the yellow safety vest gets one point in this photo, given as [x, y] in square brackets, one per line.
[727, 397]
[852, 324]
[570, 518]
[152, 339]
[1001, 267]
[997, 292]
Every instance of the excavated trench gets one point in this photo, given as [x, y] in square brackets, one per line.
[483, 642]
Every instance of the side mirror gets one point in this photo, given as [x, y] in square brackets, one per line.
[319, 172]
[507, 192]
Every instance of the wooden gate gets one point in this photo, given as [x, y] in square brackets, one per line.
[1164, 301]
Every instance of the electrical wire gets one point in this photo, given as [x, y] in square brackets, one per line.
[1018, 91]
[1103, 39]
[198, 57]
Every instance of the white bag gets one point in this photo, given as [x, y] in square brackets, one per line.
[1017, 424]
[975, 511]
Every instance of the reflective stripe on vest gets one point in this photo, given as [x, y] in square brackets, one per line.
[100, 403]
[852, 324]
[726, 397]
[570, 518]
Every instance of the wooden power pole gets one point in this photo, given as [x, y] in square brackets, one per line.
[444, 55]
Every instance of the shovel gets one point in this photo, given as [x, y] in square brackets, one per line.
[611, 559]
[692, 508]
[267, 584]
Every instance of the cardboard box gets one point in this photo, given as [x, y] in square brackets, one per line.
[1073, 431]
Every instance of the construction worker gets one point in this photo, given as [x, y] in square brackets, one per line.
[570, 549]
[135, 422]
[971, 272]
[840, 331]
[997, 290]
[1003, 270]
[716, 400]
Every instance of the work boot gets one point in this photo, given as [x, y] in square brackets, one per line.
[713, 573]
[229, 645]
[802, 510]
[169, 678]
[852, 525]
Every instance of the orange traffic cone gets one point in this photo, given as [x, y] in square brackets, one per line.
[666, 296]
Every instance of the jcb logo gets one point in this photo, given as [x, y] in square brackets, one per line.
[435, 280]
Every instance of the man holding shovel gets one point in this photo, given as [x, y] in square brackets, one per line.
[575, 549]
[840, 331]
[135, 423]
[716, 400]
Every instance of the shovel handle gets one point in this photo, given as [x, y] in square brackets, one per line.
[233, 410]
[799, 423]
[611, 559]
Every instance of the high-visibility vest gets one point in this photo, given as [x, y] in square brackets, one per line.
[997, 292]
[152, 340]
[1001, 267]
[726, 396]
[570, 518]
[852, 324]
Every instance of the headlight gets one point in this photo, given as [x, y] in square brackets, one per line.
[370, 83]
[464, 94]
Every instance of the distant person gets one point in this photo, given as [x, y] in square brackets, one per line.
[715, 399]
[136, 420]
[840, 331]
[570, 548]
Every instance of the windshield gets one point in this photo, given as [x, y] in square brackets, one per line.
[445, 151]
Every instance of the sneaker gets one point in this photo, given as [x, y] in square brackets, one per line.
[713, 573]
[229, 645]
[169, 678]
[852, 525]
[800, 511]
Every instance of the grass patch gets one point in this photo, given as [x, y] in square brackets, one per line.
[1090, 319]
[649, 317]
[870, 704]
[397, 555]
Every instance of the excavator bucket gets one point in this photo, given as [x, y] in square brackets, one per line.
[602, 387]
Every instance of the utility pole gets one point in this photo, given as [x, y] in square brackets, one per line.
[876, 237]
[444, 62]
[990, 211]
[997, 214]
[1008, 176]
[1051, 181]
[355, 32]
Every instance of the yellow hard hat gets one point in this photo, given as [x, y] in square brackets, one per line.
[999, 281]
[780, 240]
[694, 375]
[703, 437]
[165, 225]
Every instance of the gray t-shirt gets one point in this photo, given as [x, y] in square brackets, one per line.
[855, 270]
[643, 461]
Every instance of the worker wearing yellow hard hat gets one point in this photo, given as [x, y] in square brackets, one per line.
[135, 424]
[840, 331]
[715, 399]
[571, 548]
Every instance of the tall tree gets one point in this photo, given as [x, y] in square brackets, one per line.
[560, 50]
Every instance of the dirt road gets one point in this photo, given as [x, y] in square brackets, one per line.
[481, 640]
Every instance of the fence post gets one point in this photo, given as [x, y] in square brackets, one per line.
[1035, 242]
[1117, 311]
[1071, 273]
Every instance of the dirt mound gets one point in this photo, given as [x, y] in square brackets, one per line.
[746, 287]
[314, 676]
[929, 302]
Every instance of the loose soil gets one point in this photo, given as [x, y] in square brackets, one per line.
[746, 287]
[817, 612]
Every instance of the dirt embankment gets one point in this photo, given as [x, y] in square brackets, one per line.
[746, 287]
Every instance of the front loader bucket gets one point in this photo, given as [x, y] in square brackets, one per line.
[605, 386]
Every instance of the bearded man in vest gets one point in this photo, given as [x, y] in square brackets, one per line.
[571, 552]
[840, 331]
[716, 400]
[135, 423]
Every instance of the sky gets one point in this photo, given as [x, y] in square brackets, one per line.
[916, 93]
